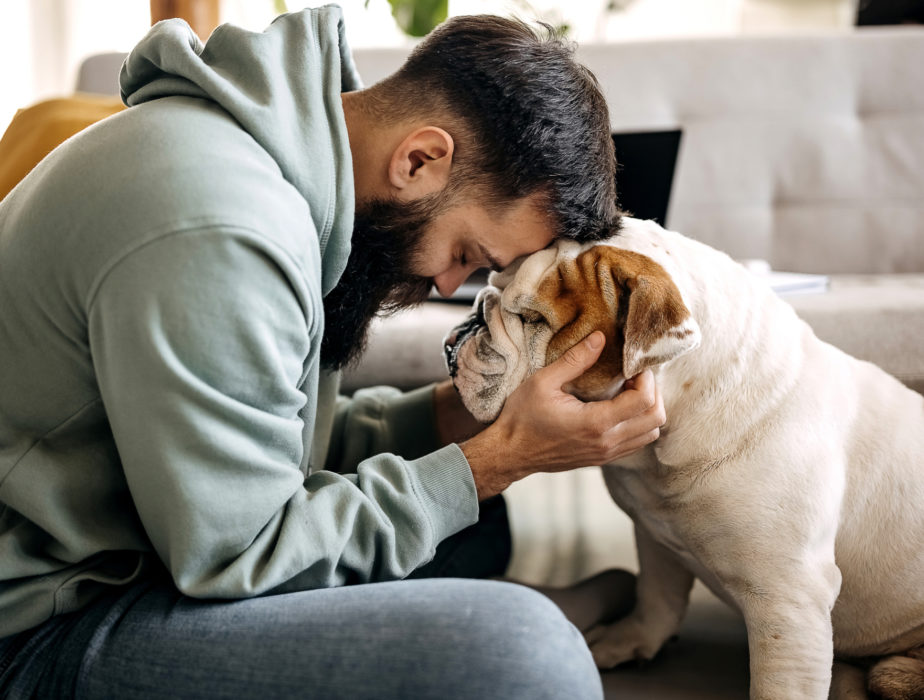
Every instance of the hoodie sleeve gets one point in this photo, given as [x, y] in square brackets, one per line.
[382, 419]
[200, 344]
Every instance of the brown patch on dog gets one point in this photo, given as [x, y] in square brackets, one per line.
[898, 678]
[626, 295]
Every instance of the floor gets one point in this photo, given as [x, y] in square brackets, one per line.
[708, 660]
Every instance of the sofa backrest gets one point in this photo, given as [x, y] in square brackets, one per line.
[804, 150]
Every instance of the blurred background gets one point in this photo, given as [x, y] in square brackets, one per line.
[43, 42]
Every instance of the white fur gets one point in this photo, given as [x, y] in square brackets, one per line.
[788, 478]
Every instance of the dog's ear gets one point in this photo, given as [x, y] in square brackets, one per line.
[628, 297]
[656, 324]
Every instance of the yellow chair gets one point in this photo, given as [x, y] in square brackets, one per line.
[35, 131]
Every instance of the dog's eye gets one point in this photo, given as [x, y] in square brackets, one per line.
[530, 316]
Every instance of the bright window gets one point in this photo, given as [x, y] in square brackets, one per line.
[42, 42]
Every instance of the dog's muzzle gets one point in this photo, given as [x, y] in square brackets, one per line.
[459, 336]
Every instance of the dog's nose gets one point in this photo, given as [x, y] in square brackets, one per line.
[450, 355]
[458, 336]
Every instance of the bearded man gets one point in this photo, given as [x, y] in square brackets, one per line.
[183, 495]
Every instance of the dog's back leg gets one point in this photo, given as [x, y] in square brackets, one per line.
[899, 677]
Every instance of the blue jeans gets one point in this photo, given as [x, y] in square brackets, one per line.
[446, 638]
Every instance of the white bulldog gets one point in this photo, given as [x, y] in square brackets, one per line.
[788, 477]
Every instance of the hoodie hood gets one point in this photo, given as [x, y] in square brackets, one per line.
[283, 87]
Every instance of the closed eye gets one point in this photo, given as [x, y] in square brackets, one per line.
[530, 316]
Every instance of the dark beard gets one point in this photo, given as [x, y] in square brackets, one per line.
[387, 237]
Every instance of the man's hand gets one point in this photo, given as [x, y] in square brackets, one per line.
[544, 429]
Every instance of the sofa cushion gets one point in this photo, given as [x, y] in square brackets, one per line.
[406, 349]
[878, 318]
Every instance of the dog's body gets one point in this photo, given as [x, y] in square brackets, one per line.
[788, 477]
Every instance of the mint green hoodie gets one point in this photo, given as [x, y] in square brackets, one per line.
[161, 284]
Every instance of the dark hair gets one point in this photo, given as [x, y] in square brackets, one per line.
[527, 119]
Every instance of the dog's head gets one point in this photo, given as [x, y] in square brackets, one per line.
[536, 309]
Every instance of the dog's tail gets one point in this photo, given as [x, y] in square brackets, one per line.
[899, 677]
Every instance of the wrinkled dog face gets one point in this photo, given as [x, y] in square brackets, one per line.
[536, 309]
[503, 341]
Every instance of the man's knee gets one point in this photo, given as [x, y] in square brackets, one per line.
[540, 653]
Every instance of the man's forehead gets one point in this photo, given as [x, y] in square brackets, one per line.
[500, 256]
[521, 229]
[495, 264]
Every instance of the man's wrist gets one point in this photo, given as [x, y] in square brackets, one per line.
[489, 465]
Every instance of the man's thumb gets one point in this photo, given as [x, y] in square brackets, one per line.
[579, 358]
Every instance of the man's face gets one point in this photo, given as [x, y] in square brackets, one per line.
[401, 250]
[467, 237]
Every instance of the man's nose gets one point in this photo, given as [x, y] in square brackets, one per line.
[448, 282]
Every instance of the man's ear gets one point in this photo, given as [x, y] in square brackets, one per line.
[421, 163]
[658, 325]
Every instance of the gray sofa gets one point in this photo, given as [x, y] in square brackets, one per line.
[806, 151]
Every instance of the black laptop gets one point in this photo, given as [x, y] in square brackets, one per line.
[645, 174]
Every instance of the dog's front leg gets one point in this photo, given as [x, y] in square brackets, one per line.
[789, 629]
[662, 593]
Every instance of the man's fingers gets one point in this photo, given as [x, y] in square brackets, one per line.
[636, 413]
[630, 435]
[629, 446]
[641, 392]
[640, 397]
[642, 387]
[577, 360]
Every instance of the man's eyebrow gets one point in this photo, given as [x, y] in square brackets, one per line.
[492, 261]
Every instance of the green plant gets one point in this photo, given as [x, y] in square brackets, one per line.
[418, 17]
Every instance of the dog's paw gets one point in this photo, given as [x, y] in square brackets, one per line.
[621, 642]
[897, 678]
